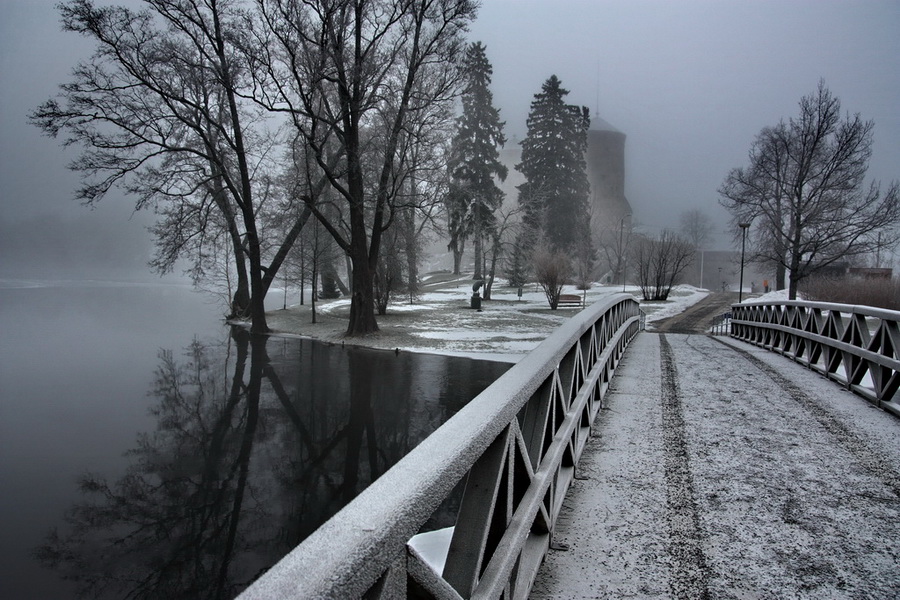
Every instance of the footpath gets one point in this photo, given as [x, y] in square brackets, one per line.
[720, 470]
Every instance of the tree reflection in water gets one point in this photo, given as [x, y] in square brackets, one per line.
[251, 454]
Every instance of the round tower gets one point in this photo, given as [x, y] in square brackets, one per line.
[606, 172]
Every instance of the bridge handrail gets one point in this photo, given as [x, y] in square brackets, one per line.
[856, 346]
[517, 442]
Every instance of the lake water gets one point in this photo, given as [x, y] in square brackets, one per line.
[149, 451]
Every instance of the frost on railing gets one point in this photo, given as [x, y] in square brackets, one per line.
[857, 346]
[514, 447]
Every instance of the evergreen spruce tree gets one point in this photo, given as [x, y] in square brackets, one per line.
[555, 195]
[517, 265]
[475, 161]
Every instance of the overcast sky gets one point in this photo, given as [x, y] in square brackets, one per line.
[689, 82]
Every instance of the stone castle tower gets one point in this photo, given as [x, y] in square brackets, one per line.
[606, 172]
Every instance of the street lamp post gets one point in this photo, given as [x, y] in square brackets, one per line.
[743, 227]
[622, 257]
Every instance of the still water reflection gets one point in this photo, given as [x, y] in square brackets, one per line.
[248, 444]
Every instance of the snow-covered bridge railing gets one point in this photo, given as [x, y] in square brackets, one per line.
[857, 346]
[516, 444]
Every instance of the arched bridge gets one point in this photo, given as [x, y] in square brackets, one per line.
[708, 467]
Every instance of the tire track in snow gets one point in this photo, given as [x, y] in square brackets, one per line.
[869, 458]
[689, 574]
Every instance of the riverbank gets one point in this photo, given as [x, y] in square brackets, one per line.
[441, 321]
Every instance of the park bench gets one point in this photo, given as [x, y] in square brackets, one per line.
[569, 300]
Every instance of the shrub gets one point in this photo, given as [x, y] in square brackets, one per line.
[660, 263]
[551, 269]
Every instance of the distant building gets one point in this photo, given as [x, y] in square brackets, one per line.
[722, 273]
[872, 272]
[835, 270]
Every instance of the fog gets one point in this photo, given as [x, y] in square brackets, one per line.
[690, 83]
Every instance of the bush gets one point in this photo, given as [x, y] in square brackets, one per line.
[551, 269]
[660, 263]
[880, 293]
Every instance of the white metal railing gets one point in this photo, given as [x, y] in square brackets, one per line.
[516, 444]
[857, 346]
[722, 325]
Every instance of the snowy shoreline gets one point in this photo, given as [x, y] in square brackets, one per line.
[441, 321]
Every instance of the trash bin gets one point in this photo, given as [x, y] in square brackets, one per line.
[476, 301]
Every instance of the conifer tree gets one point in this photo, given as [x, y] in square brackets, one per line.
[517, 268]
[555, 194]
[475, 161]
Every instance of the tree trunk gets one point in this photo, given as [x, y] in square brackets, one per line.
[795, 253]
[413, 272]
[362, 304]
[780, 243]
[343, 289]
[257, 289]
[240, 301]
[315, 278]
[495, 257]
[457, 249]
[794, 275]
[792, 289]
[303, 276]
[285, 248]
[248, 211]
[477, 242]
[362, 297]
[412, 268]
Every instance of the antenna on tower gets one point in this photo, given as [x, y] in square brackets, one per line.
[597, 101]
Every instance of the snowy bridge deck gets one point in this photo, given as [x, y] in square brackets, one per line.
[721, 470]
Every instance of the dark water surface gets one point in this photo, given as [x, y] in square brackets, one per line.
[148, 451]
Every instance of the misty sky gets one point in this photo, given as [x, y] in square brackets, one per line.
[689, 82]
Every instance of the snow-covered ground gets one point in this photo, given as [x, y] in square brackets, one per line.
[440, 319]
[773, 296]
[682, 297]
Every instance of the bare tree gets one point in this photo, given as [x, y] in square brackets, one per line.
[696, 227]
[551, 270]
[612, 242]
[500, 245]
[584, 260]
[660, 263]
[353, 76]
[805, 192]
[159, 111]
[389, 272]
[420, 204]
